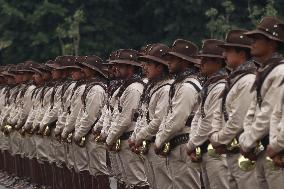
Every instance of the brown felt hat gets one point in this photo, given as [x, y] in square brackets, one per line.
[126, 56]
[270, 27]
[185, 50]
[92, 61]
[66, 62]
[211, 49]
[236, 38]
[155, 52]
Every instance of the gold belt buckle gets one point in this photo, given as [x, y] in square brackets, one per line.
[145, 147]
[82, 142]
[47, 131]
[69, 138]
[118, 145]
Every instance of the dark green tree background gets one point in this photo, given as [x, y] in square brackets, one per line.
[43, 29]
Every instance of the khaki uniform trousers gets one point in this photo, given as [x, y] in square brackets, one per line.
[240, 179]
[183, 172]
[97, 157]
[157, 170]
[132, 166]
[215, 172]
[268, 177]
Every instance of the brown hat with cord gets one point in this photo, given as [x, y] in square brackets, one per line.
[185, 50]
[155, 52]
[236, 38]
[211, 49]
[92, 61]
[126, 56]
[271, 28]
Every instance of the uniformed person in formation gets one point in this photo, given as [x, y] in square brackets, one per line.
[69, 123]
[127, 98]
[214, 167]
[153, 107]
[268, 39]
[235, 100]
[174, 130]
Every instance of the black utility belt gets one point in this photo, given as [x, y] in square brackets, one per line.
[126, 135]
[152, 140]
[178, 140]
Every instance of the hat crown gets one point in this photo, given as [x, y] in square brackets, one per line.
[211, 47]
[65, 60]
[184, 47]
[272, 26]
[238, 37]
[91, 60]
[145, 49]
[157, 50]
[127, 54]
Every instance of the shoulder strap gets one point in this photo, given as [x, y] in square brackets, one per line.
[158, 88]
[226, 92]
[203, 115]
[261, 78]
[196, 87]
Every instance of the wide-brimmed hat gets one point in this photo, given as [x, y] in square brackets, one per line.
[236, 38]
[66, 62]
[41, 68]
[211, 49]
[185, 50]
[91, 61]
[8, 70]
[270, 27]
[126, 56]
[155, 52]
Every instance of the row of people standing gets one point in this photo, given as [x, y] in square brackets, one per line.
[200, 119]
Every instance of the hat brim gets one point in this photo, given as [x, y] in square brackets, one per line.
[93, 68]
[226, 45]
[5, 73]
[129, 62]
[258, 31]
[187, 58]
[153, 58]
[68, 67]
[53, 66]
[210, 56]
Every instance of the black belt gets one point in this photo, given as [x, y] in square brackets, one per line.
[204, 147]
[178, 140]
[126, 135]
[265, 141]
[152, 140]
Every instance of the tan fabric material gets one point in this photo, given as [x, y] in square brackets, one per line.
[184, 102]
[201, 127]
[243, 179]
[266, 177]
[131, 165]
[276, 134]
[237, 104]
[256, 124]
[129, 102]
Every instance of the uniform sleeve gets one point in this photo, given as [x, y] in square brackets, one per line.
[92, 112]
[205, 125]
[239, 107]
[183, 104]
[75, 107]
[27, 106]
[260, 126]
[129, 105]
[160, 112]
[52, 114]
[276, 137]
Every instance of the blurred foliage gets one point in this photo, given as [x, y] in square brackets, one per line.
[43, 29]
